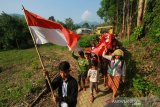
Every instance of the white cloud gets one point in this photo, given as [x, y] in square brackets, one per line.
[86, 14]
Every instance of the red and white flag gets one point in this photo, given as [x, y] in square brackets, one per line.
[47, 31]
[105, 41]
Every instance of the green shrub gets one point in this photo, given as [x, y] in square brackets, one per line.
[152, 20]
[136, 34]
[139, 84]
[157, 35]
[144, 87]
[85, 40]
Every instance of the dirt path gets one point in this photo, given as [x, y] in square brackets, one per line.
[83, 97]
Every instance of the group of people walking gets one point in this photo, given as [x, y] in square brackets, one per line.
[89, 67]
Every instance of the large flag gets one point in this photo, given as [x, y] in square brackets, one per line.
[47, 31]
[105, 41]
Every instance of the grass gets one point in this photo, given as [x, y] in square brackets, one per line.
[143, 60]
[21, 72]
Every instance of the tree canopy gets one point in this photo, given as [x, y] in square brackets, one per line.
[128, 16]
[14, 32]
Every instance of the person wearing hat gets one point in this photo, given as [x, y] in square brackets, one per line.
[67, 86]
[116, 71]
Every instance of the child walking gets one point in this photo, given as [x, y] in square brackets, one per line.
[92, 76]
[82, 69]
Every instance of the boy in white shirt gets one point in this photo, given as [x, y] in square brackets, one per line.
[93, 78]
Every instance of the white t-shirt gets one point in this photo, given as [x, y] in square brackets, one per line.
[93, 74]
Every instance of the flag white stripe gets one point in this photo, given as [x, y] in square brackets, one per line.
[45, 35]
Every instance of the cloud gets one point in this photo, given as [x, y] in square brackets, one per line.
[86, 14]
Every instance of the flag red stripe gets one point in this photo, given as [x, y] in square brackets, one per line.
[35, 20]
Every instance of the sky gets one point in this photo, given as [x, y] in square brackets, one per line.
[78, 10]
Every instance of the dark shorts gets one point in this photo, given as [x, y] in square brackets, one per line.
[103, 71]
[82, 76]
[104, 68]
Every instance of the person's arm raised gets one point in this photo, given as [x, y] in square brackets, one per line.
[109, 57]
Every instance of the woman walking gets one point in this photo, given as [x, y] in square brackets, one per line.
[116, 71]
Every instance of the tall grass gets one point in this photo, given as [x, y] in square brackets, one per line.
[21, 71]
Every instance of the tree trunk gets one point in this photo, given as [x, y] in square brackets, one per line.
[145, 7]
[140, 13]
[116, 27]
[144, 11]
[123, 23]
[17, 44]
[128, 19]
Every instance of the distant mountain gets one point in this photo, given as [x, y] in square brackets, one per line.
[89, 22]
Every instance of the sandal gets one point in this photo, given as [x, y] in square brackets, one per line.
[92, 99]
[84, 89]
[80, 89]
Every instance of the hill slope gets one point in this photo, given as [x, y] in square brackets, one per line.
[143, 67]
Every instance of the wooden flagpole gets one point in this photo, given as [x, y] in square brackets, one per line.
[42, 64]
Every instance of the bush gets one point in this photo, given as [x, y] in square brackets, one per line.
[14, 32]
[136, 34]
[140, 85]
[157, 35]
[152, 20]
[144, 87]
[85, 40]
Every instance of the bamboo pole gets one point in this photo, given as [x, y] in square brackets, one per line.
[42, 64]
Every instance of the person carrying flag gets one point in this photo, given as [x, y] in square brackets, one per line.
[67, 86]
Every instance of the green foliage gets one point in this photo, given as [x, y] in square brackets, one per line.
[51, 18]
[136, 34]
[152, 20]
[86, 25]
[28, 87]
[140, 85]
[14, 32]
[144, 87]
[35, 65]
[60, 22]
[69, 24]
[15, 93]
[85, 40]
[107, 11]
[26, 74]
[157, 35]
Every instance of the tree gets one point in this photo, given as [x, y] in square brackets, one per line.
[152, 20]
[86, 25]
[140, 13]
[123, 23]
[63, 24]
[107, 10]
[116, 25]
[12, 32]
[69, 23]
[51, 18]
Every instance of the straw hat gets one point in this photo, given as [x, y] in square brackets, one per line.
[118, 52]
